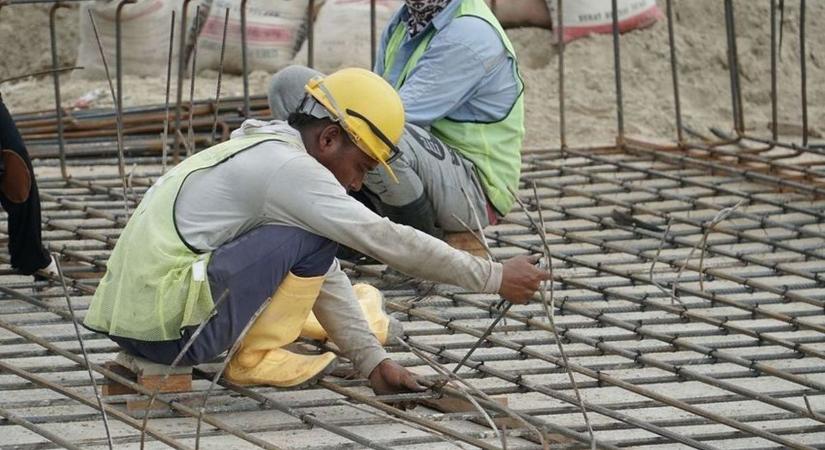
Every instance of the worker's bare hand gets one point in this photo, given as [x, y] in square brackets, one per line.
[521, 278]
[389, 377]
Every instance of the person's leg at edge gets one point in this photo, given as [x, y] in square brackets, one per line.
[25, 238]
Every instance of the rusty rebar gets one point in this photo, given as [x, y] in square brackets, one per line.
[244, 61]
[193, 75]
[189, 342]
[373, 34]
[102, 410]
[118, 116]
[119, 50]
[58, 106]
[774, 91]
[803, 72]
[164, 140]
[20, 421]
[220, 76]
[733, 69]
[674, 72]
[181, 70]
[561, 47]
[311, 34]
[617, 73]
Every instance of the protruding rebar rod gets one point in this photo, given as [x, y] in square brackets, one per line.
[373, 33]
[803, 69]
[733, 69]
[311, 33]
[175, 362]
[118, 119]
[774, 107]
[190, 132]
[229, 355]
[220, 76]
[39, 73]
[122, 416]
[674, 71]
[119, 50]
[307, 418]
[244, 61]
[737, 71]
[181, 70]
[561, 47]
[682, 371]
[781, 25]
[487, 332]
[141, 389]
[22, 422]
[83, 350]
[617, 72]
[165, 136]
[58, 107]
[522, 382]
[414, 418]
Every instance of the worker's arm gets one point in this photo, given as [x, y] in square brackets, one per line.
[450, 72]
[339, 313]
[305, 194]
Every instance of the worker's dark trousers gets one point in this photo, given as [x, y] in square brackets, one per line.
[25, 245]
[247, 271]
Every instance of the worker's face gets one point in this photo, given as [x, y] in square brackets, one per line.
[343, 158]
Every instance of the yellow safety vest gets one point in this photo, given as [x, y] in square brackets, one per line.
[155, 285]
[493, 147]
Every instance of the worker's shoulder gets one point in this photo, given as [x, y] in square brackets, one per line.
[286, 162]
[471, 31]
[265, 157]
[276, 150]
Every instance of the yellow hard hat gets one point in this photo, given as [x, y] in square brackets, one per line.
[368, 109]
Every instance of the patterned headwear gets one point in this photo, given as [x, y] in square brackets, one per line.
[422, 13]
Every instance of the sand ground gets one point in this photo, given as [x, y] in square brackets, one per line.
[589, 82]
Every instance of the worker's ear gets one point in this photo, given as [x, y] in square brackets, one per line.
[331, 139]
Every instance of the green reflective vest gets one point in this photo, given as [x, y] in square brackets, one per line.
[155, 284]
[494, 147]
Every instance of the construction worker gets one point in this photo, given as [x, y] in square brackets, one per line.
[259, 217]
[457, 75]
[20, 200]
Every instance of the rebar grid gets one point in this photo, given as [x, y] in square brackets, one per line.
[721, 349]
[577, 199]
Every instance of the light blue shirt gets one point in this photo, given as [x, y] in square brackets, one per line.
[466, 73]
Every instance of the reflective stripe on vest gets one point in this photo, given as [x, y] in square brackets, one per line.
[493, 147]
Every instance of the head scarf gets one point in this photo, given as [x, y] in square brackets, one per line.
[422, 13]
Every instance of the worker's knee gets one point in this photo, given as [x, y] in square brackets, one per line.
[317, 258]
[286, 89]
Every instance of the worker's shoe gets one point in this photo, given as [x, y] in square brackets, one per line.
[280, 368]
[260, 358]
[385, 327]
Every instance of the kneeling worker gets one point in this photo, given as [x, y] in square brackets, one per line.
[258, 217]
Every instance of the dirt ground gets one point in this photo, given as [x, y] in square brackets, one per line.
[589, 83]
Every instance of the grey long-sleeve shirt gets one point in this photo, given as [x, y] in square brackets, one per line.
[276, 183]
